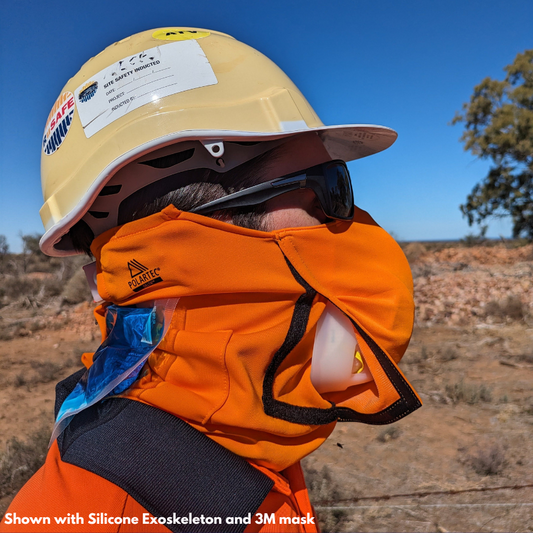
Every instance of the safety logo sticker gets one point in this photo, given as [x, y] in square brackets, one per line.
[142, 79]
[142, 276]
[88, 91]
[177, 34]
[58, 123]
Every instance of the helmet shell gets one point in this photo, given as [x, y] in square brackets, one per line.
[161, 87]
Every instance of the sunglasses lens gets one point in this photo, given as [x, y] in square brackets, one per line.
[340, 190]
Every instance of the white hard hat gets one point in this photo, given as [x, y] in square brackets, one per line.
[222, 101]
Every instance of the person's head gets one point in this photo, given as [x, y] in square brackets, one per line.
[183, 116]
[193, 189]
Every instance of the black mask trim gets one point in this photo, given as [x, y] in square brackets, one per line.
[406, 404]
[293, 413]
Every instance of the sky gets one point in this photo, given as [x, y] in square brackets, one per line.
[409, 65]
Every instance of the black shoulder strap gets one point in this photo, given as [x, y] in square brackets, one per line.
[169, 467]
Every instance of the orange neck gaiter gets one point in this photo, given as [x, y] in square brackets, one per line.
[235, 362]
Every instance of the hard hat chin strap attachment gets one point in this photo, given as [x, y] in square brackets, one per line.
[216, 149]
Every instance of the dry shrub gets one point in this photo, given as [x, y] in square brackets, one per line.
[324, 489]
[6, 334]
[512, 308]
[422, 270]
[46, 371]
[424, 354]
[37, 290]
[44, 263]
[468, 393]
[488, 460]
[77, 290]
[413, 251]
[53, 287]
[15, 287]
[420, 357]
[35, 279]
[526, 358]
[21, 460]
[21, 328]
[471, 240]
[528, 408]
[20, 380]
[58, 323]
[449, 354]
[35, 325]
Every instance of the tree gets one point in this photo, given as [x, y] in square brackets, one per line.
[4, 246]
[4, 249]
[31, 253]
[499, 127]
[30, 244]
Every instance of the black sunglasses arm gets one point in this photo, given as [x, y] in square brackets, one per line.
[253, 195]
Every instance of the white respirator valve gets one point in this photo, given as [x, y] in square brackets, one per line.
[337, 362]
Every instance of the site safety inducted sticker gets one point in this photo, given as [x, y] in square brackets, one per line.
[58, 123]
[141, 79]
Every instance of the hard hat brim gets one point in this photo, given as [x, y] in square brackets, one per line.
[346, 142]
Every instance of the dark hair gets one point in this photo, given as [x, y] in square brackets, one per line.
[203, 185]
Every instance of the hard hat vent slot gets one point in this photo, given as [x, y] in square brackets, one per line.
[99, 214]
[169, 160]
[245, 143]
[110, 189]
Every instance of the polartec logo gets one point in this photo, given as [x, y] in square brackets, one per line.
[142, 276]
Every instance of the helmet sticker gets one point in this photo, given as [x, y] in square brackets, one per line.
[58, 123]
[142, 79]
[177, 34]
[88, 91]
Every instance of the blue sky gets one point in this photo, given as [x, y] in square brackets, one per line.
[409, 65]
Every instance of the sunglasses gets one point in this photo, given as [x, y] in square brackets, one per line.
[329, 181]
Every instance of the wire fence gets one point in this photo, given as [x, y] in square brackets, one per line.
[334, 504]
[421, 506]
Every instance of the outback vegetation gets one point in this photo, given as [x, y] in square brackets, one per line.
[33, 280]
[499, 127]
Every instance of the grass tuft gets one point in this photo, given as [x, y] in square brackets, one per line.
[21, 459]
[323, 488]
[511, 308]
[468, 393]
[488, 460]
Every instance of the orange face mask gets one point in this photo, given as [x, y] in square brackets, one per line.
[236, 360]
